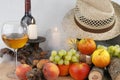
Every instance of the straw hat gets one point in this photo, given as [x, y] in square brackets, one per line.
[97, 19]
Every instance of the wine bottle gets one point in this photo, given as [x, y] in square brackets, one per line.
[27, 19]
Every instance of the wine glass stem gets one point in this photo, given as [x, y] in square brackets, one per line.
[15, 59]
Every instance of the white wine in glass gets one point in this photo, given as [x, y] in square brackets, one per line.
[14, 36]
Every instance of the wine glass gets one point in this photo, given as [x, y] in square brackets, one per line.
[14, 36]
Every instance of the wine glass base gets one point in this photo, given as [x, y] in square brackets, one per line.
[12, 76]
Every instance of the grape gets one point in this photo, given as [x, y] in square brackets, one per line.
[53, 53]
[117, 46]
[57, 58]
[74, 59]
[116, 52]
[111, 49]
[66, 62]
[68, 57]
[69, 53]
[51, 58]
[73, 51]
[101, 46]
[62, 53]
[60, 62]
[78, 56]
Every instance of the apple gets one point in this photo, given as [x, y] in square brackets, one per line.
[79, 71]
[101, 58]
[50, 71]
[21, 71]
[64, 70]
[86, 46]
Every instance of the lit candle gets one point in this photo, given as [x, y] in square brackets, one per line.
[32, 31]
[55, 39]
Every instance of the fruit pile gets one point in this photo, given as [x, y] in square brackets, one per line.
[74, 62]
[63, 59]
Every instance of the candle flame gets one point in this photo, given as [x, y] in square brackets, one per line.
[56, 29]
[32, 21]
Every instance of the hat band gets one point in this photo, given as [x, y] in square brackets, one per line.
[93, 30]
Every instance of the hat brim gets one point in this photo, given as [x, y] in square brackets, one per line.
[73, 30]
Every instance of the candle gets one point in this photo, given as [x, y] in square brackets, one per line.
[32, 31]
[54, 39]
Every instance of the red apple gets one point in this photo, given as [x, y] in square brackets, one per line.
[64, 70]
[86, 46]
[50, 71]
[79, 71]
[22, 70]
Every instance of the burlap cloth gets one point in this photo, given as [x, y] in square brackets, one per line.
[5, 68]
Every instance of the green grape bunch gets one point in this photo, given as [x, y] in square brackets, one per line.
[64, 57]
[114, 50]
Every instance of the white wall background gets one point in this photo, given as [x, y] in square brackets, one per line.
[48, 13]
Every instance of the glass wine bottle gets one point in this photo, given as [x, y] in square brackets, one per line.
[27, 19]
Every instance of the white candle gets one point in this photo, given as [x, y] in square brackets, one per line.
[55, 39]
[32, 31]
